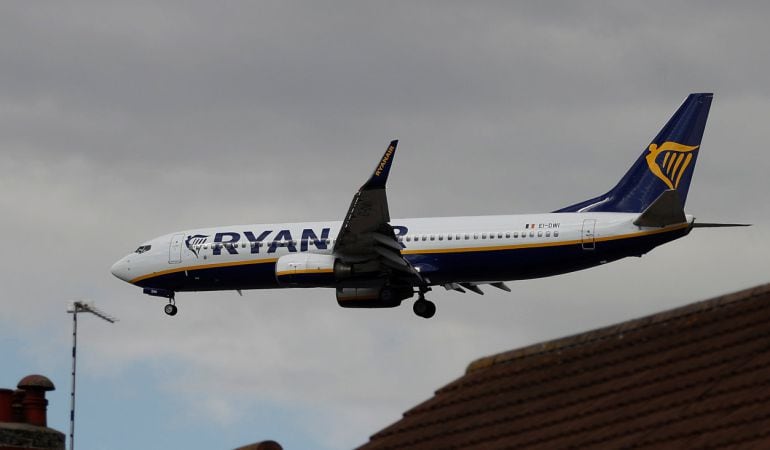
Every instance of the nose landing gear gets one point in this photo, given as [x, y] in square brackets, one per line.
[170, 308]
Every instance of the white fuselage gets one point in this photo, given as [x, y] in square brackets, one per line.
[499, 239]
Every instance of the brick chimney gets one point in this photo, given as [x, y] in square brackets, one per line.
[17, 410]
[6, 398]
[23, 423]
[34, 404]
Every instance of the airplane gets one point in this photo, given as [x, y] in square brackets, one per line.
[375, 262]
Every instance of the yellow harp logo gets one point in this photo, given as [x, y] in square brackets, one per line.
[676, 159]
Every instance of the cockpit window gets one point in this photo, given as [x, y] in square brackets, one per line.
[143, 248]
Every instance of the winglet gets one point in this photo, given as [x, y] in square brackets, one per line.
[380, 175]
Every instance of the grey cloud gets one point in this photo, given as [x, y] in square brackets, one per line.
[124, 121]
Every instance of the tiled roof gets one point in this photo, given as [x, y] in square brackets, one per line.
[693, 377]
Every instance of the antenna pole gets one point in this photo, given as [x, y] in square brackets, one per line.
[74, 366]
[74, 310]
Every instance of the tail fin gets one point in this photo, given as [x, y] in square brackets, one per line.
[667, 163]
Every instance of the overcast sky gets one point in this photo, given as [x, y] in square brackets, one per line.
[122, 121]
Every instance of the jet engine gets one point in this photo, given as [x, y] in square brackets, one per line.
[372, 297]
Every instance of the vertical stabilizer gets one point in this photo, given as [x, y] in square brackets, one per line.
[667, 163]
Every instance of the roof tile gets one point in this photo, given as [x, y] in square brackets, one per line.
[693, 377]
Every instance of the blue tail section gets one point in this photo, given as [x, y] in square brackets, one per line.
[667, 163]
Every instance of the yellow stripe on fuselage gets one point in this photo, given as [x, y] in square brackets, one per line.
[541, 244]
[202, 266]
[303, 272]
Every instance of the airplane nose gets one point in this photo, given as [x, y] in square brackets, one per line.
[120, 270]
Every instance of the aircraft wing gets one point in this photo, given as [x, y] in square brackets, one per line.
[365, 234]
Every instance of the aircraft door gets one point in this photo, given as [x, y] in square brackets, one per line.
[175, 249]
[588, 237]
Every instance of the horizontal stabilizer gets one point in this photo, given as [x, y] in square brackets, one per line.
[665, 210]
[719, 225]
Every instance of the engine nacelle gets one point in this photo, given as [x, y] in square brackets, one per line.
[372, 297]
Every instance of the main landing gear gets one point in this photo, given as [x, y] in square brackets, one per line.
[422, 307]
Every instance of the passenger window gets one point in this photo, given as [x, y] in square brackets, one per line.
[408, 239]
[483, 235]
[516, 234]
[531, 234]
[449, 237]
[555, 234]
[432, 237]
[475, 235]
[467, 236]
[457, 236]
[424, 237]
[507, 235]
[547, 234]
[440, 237]
[499, 235]
[539, 234]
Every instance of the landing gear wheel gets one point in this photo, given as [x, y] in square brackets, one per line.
[431, 310]
[424, 308]
[170, 309]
